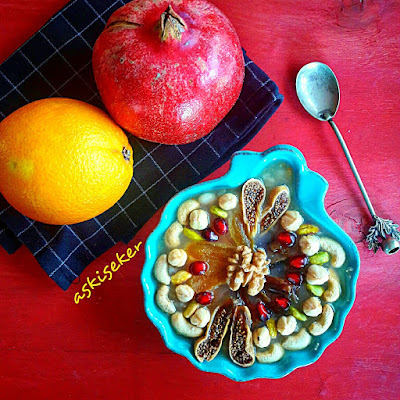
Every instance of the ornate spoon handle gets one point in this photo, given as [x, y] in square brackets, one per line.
[382, 228]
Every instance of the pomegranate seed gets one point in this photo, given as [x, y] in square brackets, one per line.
[262, 310]
[204, 298]
[287, 239]
[282, 302]
[210, 235]
[220, 226]
[298, 261]
[198, 268]
[294, 278]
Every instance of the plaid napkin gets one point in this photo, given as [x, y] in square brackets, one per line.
[56, 61]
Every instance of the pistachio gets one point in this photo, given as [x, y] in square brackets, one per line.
[191, 308]
[180, 277]
[306, 229]
[219, 212]
[192, 234]
[320, 258]
[297, 314]
[271, 325]
[315, 290]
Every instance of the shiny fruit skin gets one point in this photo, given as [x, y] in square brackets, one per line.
[61, 161]
[198, 268]
[287, 239]
[204, 298]
[298, 261]
[170, 92]
[220, 226]
[210, 235]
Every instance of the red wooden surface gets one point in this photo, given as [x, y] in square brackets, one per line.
[105, 347]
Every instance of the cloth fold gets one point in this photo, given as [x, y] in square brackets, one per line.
[56, 61]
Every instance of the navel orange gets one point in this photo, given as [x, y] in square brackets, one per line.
[63, 161]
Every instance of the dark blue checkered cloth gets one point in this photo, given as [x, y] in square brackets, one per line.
[56, 61]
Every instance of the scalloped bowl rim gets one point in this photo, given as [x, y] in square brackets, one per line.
[222, 364]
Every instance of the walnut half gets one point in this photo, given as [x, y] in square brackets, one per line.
[247, 268]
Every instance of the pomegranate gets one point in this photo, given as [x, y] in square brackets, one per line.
[287, 239]
[298, 261]
[198, 268]
[204, 298]
[220, 226]
[210, 235]
[168, 71]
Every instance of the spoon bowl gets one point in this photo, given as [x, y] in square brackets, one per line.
[318, 90]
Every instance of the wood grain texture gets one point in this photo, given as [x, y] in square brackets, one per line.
[105, 347]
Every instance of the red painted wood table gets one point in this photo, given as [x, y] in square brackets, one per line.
[106, 348]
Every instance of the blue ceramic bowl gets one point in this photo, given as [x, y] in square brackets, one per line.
[309, 191]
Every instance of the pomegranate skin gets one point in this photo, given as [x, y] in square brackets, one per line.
[173, 91]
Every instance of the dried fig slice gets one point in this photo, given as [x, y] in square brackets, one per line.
[241, 349]
[278, 203]
[208, 346]
[253, 196]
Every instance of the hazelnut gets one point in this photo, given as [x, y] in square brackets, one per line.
[309, 245]
[317, 275]
[291, 221]
[312, 307]
[286, 325]
[201, 317]
[227, 201]
[184, 293]
[261, 337]
[198, 220]
[177, 257]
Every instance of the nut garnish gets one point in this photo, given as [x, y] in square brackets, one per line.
[278, 203]
[253, 196]
[247, 268]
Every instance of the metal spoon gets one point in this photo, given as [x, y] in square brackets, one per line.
[318, 91]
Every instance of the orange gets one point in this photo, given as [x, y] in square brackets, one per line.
[63, 161]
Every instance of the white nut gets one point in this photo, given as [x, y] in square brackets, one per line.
[185, 209]
[261, 337]
[201, 317]
[333, 292]
[227, 201]
[184, 327]
[273, 354]
[312, 307]
[184, 293]
[163, 301]
[291, 221]
[286, 325]
[199, 219]
[297, 342]
[171, 237]
[317, 275]
[207, 198]
[321, 325]
[338, 256]
[309, 245]
[177, 257]
[161, 270]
